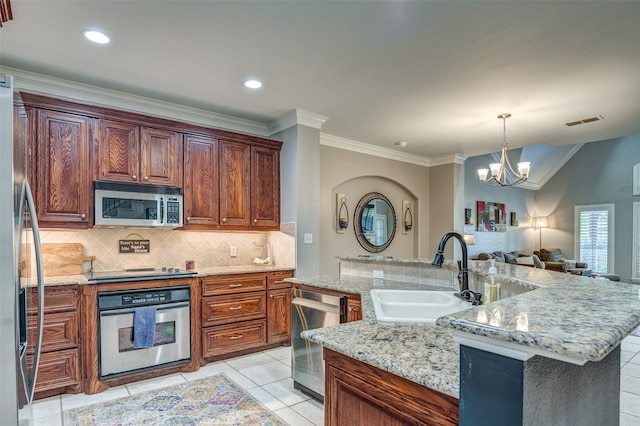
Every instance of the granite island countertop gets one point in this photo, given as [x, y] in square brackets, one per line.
[566, 317]
[201, 272]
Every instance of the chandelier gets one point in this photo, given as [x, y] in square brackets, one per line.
[502, 173]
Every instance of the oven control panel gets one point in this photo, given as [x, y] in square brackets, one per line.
[146, 298]
[155, 296]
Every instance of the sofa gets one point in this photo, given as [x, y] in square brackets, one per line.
[514, 257]
[555, 261]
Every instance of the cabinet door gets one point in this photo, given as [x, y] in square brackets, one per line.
[160, 157]
[265, 187]
[235, 163]
[63, 178]
[201, 182]
[118, 151]
[279, 316]
[354, 310]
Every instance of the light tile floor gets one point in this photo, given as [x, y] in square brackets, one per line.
[267, 376]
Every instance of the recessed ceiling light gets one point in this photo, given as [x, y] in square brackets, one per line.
[253, 84]
[96, 36]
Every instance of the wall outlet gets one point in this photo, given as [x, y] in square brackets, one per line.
[234, 252]
[378, 273]
[308, 238]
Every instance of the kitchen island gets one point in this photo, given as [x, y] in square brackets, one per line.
[551, 322]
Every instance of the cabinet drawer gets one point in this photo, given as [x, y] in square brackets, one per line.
[232, 308]
[60, 331]
[234, 337]
[57, 370]
[233, 284]
[64, 298]
[274, 280]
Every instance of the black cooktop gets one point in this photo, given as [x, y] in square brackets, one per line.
[138, 274]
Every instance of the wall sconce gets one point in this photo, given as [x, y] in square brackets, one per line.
[342, 214]
[468, 220]
[469, 239]
[407, 216]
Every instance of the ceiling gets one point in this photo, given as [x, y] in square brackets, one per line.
[432, 73]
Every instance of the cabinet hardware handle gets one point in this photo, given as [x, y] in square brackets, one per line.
[235, 308]
[146, 178]
[235, 285]
[188, 218]
[224, 220]
[235, 337]
[255, 220]
[134, 177]
[350, 309]
[271, 296]
[83, 215]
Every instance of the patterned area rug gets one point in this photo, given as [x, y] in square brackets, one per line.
[211, 401]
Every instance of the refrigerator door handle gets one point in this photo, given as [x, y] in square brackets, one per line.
[29, 380]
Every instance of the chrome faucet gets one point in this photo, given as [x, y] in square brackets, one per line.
[463, 274]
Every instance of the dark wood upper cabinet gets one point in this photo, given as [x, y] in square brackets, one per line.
[118, 151]
[235, 180]
[201, 182]
[131, 153]
[265, 187]
[160, 157]
[63, 195]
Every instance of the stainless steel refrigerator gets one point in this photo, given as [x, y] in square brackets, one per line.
[21, 318]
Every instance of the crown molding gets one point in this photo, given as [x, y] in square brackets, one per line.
[447, 159]
[365, 148]
[84, 93]
[294, 118]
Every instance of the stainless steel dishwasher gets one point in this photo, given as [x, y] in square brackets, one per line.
[310, 310]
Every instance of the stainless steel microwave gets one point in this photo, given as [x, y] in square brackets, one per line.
[136, 205]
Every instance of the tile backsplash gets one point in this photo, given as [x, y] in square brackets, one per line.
[172, 248]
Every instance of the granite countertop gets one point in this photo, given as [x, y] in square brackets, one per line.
[201, 272]
[422, 353]
[566, 317]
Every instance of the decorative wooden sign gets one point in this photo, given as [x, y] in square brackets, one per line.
[134, 246]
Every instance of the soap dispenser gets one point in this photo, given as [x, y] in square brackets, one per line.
[491, 289]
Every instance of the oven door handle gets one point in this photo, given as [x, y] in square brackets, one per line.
[130, 311]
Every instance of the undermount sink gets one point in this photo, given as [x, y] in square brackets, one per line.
[415, 306]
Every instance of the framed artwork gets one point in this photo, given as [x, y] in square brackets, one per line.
[492, 217]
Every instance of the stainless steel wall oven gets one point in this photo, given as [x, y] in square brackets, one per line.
[171, 333]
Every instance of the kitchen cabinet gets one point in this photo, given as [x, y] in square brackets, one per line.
[235, 181]
[279, 308]
[62, 178]
[244, 312]
[229, 327]
[249, 186]
[59, 371]
[131, 153]
[358, 393]
[201, 182]
[265, 187]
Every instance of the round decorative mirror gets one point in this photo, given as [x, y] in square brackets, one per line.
[374, 222]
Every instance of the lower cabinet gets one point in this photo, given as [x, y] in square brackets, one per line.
[360, 394]
[244, 312]
[59, 369]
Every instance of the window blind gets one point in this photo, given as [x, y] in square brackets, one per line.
[595, 237]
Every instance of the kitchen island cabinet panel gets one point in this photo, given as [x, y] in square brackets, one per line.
[358, 393]
[63, 181]
[201, 182]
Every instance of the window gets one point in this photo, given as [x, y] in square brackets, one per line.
[635, 275]
[594, 226]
